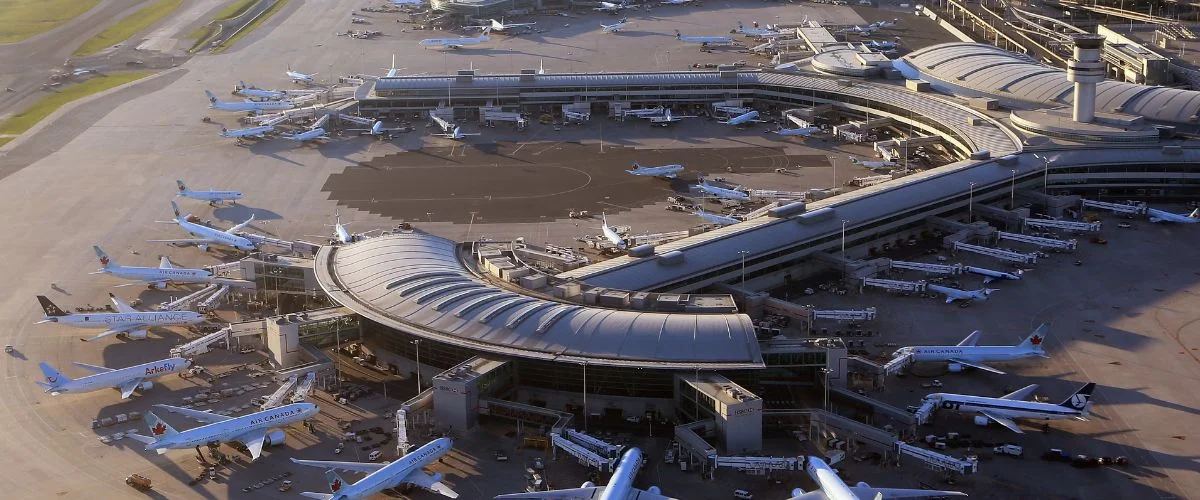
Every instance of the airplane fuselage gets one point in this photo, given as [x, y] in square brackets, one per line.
[717, 219]
[1003, 407]
[308, 135]
[248, 132]
[720, 192]
[158, 274]
[262, 94]
[980, 354]
[662, 171]
[251, 106]
[215, 236]
[228, 430]
[620, 485]
[452, 43]
[113, 320]
[742, 118]
[211, 195]
[831, 485]
[116, 378]
[393, 474]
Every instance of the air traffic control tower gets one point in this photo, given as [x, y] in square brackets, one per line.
[1085, 70]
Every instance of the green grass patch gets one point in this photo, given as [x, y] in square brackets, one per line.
[26, 119]
[250, 27]
[234, 9]
[5, 140]
[199, 33]
[133, 24]
[21, 19]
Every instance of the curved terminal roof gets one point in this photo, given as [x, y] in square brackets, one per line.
[416, 283]
[978, 69]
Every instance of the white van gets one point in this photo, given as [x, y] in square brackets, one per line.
[743, 495]
[374, 455]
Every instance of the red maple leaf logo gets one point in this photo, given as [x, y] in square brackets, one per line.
[1035, 340]
[159, 429]
[104, 260]
[335, 485]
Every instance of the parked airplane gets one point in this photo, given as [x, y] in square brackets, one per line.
[406, 469]
[953, 294]
[252, 91]
[873, 164]
[702, 40]
[500, 27]
[576, 117]
[643, 113]
[126, 321]
[750, 116]
[157, 277]
[256, 132]
[675, 2]
[667, 118]
[721, 220]
[126, 379]
[250, 430]
[884, 24]
[990, 275]
[377, 130]
[619, 487]
[205, 236]
[298, 77]
[341, 234]
[859, 30]
[833, 488]
[308, 135]
[457, 134]
[611, 235]
[768, 31]
[665, 171]
[879, 45]
[613, 8]
[720, 192]
[618, 26]
[252, 106]
[455, 43]
[212, 197]
[393, 71]
[799, 132]
[968, 353]
[1157, 215]
[1004, 409]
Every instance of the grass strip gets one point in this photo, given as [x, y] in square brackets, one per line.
[26, 119]
[131, 25]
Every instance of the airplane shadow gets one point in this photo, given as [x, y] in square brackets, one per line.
[241, 212]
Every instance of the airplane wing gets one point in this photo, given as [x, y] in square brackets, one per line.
[972, 339]
[1021, 394]
[868, 492]
[812, 495]
[122, 306]
[165, 263]
[202, 416]
[139, 282]
[1005, 421]
[363, 467]
[194, 241]
[254, 441]
[593, 492]
[979, 366]
[113, 331]
[949, 299]
[241, 226]
[988, 279]
[93, 368]
[426, 481]
[128, 387]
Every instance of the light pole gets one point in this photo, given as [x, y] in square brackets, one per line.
[585, 410]
[1045, 173]
[417, 343]
[1012, 191]
[825, 372]
[833, 165]
[844, 238]
[971, 203]
[743, 254]
[429, 216]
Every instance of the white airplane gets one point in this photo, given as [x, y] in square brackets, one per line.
[257, 93]
[990, 275]
[884, 24]
[721, 220]
[500, 27]
[212, 197]
[205, 236]
[455, 43]
[879, 45]
[457, 134]
[859, 30]
[298, 77]
[341, 234]
[665, 171]
[742, 119]
[968, 353]
[644, 112]
[722, 193]
[702, 40]
[126, 379]
[611, 235]
[873, 164]
[252, 106]
[406, 469]
[675, 2]
[126, 321]
[768, 31]
[250, 430]
[576, 117]
[667, 118]
[256, 132]
[619, 487]
[377, 130]
[1157, 215]
[157, 277]
[393, 71]
[797, 132]
[615, 27]
[833, 488]
[1004, 409]
[316, 134]
[613, 8]
[953, 294]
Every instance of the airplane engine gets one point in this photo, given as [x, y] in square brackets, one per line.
[146, 386]
[437, 476]
[955, 367]
[138, 334]
[588, 484]
[274, 438]
[203, 247]
[161, 285]
[981, 421]
[863, 484]
[797, 492]
[653, 490]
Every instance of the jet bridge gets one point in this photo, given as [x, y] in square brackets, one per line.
[585, 456]
[869, 180]
[898, 285]
[208, 303]
[304, 388]
[657, 238]
[201, 345]
[1063, 224]
[504, 116]
[867, 314]
[279, 394]
[777, 195]
[1038, 240]
[1124, 208]
[758, 466]
[596, 445]
[897, 365]
[442, 122]
[366, 122]
[187, 301]
[1025, 258]
[928, 268]
[937, 461]
[925, 412]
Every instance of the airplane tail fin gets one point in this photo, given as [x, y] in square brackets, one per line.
[140, 438]
[175, 208]
[678, 35]
[182, 186]
[636, 166]
[1195, 214]
[211, 97]
[49, 307]
[103, 257]
[1082, 399]
[1034, 341]
[335, 481]
[157, 426]
[53, 377]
